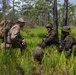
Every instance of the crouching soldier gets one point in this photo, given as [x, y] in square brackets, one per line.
[14, 37]
[49, 29]
[49, 39]
[67, 41]
[4, 29]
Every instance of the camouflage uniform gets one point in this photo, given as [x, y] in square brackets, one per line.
[4, 28]
[4, 25]
[67, 41]
[14, 38]
[50, 38]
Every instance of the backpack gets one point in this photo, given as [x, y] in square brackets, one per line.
[4, 27]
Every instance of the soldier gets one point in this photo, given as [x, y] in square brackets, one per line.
[5, 25]
[14, 37]
[4, 28]
[48, 40]
[67, 41]
[49, 29]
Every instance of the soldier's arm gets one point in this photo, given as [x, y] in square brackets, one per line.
[51, 37]
[15, 33]
[69, 42]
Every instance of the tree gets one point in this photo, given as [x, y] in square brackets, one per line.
[13, 10]
[64, 23]
[4, 7]
[65, 14]
[4, 15]
[71, 14]
[13, 14]
[55, 17]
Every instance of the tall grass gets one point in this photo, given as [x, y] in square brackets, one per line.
[53, 62]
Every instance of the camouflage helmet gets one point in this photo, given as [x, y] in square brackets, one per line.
[37, 52]
[66, 29]
[21, 20]
[48, 26]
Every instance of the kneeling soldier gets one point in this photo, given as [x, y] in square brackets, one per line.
[14, 37]
[67, 40]
[48, 40]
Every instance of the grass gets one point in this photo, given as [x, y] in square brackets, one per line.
[53, 63]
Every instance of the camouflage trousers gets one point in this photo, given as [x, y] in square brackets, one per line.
[14, 45]
[19, 45]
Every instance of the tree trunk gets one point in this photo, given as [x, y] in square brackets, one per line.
[55, 17]
[4, 6]
[65, 13]
[4, 16]
[13, 13]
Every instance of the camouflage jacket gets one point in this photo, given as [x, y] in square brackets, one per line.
[51, 37]
[14, 34]
[67, 43]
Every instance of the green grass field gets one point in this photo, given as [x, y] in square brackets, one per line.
[53, 63]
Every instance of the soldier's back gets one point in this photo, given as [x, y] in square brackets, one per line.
[69, 39]
[69, 42]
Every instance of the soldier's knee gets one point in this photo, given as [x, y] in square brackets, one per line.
[7, 45]
[68, 52]
[38, 53]
[42, 45]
